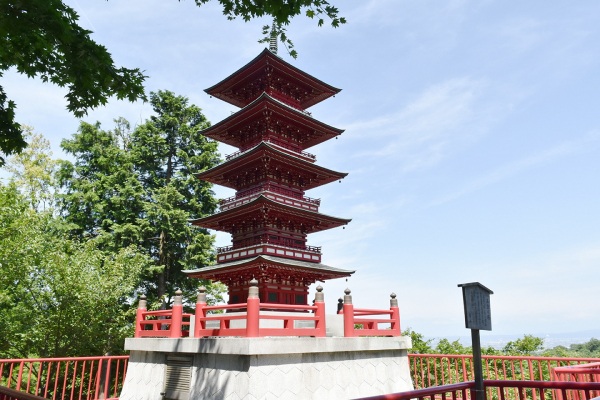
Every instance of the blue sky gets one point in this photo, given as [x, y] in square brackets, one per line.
[472, 143]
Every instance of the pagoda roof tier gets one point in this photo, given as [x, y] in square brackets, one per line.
[268, 267]
[269, 117]
[269, 73]
[269, 211]
[266, 159]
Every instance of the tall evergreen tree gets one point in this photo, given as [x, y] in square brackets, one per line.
[139, 188]
[167, 150]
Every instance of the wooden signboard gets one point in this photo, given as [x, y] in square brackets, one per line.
[476, 300]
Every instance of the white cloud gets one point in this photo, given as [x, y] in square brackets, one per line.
[585, 143]
[421, 133]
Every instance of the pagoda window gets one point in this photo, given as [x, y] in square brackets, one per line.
[272, 297]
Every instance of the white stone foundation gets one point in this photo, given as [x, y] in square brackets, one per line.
[266, 368]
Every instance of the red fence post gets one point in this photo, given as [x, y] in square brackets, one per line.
[395, 327]
[200, 311]
[139, 318]
[348, 315]
[253, 310]
[177, 315]
[320, 329]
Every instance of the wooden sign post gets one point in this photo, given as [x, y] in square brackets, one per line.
[478, 315]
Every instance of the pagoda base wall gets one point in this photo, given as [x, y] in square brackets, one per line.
[266, 368]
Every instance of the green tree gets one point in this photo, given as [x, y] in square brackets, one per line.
[42, 38]
[527, 345]
[420, 345]
[33, 171]
[590, 348]
[59, 296]
[102, 196]
[139, 188]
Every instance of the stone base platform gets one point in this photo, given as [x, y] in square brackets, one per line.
[266, 368]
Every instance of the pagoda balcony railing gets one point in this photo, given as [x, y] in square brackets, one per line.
[244, 319]
[265, 240]
[287, 148]
[231, 201]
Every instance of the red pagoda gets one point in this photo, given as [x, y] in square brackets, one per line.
[270, 217]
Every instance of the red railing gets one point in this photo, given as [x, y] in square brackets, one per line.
[271, 188]
[264, 239]
[444, 369]
[209, 322]
[70, 378]
[589, 372]
[284, 147]
[162, 323]
[250, 320]
[92, 378]
[578, 373]
[499, 390]
[245, 320]
[11, 394]
[362, 321]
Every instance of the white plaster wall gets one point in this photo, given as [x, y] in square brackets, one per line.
[272, 368]
[145, 376]
[344, 375]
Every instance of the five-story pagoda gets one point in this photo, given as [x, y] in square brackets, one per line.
[270, 217]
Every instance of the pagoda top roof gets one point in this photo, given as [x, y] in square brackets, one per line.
[267, 266]
[233, 89]
[227, 130]
[262, 207]
[225, 174]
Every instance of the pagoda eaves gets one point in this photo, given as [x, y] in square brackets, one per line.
[269, 119]
[265, 211]
[248, 168]
[263, 266]
[269, 73]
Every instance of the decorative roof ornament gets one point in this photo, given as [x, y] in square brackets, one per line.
[273, 41]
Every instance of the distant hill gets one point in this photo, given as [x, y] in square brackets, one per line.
[551, 340]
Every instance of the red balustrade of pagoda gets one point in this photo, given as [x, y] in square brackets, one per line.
[244, 319]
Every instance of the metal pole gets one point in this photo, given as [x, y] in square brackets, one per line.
[477, 367]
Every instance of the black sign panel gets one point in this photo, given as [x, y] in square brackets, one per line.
[476, 299]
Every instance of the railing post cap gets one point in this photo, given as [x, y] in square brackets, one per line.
[142, 302]
[393, 295]
[253, 289]
[347, 296]
[178, 298]
[201, 297]
[319, 296]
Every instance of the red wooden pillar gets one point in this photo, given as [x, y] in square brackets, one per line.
[348, 315]
[199, 322]
[253, 310]
[395, 327]
[139, 317]
[176, 315]
[320, 327]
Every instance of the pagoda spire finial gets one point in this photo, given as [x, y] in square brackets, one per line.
[273, 40]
